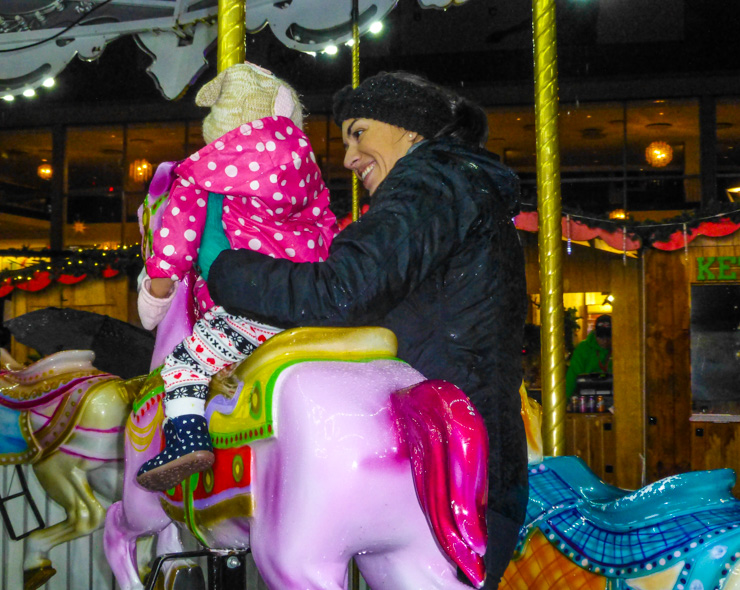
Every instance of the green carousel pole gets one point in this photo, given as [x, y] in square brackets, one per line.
[231, 33]
[550, 229]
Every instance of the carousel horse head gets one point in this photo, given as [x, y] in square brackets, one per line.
[65, 419]
[679, 533]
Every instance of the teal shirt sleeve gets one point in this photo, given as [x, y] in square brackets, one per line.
[214, 240]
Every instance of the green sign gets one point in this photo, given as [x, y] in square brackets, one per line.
[717, 268]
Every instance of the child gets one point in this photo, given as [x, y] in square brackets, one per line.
[255, 185]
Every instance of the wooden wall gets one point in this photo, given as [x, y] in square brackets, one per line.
[667, 358]
[676, 445]
[589, 269]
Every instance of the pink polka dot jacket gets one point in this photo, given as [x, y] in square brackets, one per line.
[275, 200]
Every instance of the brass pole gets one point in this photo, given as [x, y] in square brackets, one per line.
[550, 229]
[355, 84]
[231, 33]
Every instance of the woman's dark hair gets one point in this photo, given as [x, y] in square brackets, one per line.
[414, 103]
[469, 123]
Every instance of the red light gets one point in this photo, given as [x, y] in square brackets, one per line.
[110, 189]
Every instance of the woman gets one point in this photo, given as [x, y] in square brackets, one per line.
[436, 259]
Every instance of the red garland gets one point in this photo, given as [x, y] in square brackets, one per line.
[579, 231]
[6, 287]
[40, 280]
[712, 229]
[70, 279]
[347, 219]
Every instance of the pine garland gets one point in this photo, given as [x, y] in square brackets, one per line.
[68, 266]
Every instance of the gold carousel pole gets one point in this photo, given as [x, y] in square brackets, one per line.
[355, 84]
[231, 33]
[550, 229]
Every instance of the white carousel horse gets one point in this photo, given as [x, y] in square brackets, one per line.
[66, 419]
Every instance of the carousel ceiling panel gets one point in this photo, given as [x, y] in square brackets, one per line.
[39, 38]
[312, 25]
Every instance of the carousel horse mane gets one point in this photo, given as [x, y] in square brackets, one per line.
[58, 363]
[7, 362]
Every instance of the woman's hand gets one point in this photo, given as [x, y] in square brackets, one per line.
[161, 287]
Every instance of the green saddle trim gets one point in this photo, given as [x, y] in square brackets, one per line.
[153, 386]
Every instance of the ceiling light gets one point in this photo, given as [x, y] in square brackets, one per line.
[659, 154]
[140, 170]
[45, 171]
[330, 50]
[9, 98]
[350, 43]
[48, 83]
[29, 93]
[376, 27]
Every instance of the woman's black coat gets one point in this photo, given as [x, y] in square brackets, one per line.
[438, 261]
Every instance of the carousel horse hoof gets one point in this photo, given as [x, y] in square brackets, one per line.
[188, 450]
[37, 577]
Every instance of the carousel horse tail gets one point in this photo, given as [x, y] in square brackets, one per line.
[448, 447]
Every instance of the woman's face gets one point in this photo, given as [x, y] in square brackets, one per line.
[373, 148]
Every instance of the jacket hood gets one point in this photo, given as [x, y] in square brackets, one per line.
[471, 159]
[259, 160]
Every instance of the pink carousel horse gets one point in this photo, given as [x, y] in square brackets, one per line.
[328, 448]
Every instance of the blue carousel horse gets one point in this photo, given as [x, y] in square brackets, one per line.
[679, 533]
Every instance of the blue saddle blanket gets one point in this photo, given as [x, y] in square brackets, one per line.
[11, 436]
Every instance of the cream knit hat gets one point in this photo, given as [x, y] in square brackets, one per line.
[243, 93]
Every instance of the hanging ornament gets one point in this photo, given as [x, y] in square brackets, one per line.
[624, 245]
[569, 245]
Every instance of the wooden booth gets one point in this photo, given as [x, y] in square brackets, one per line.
[611, 443]
[676, 357]
[692, 356]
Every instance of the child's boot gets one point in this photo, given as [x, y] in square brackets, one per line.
[187, 450]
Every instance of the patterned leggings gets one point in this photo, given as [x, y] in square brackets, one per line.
[219, 339]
